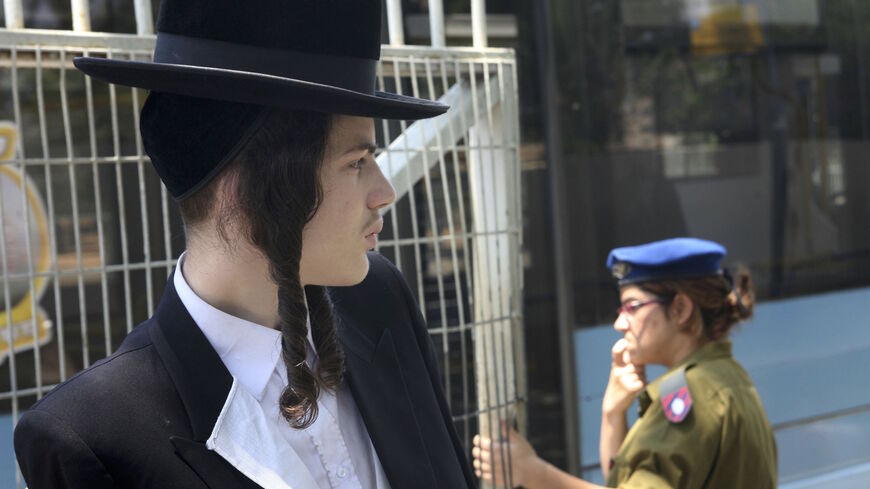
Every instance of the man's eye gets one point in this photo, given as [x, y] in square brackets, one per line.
[358, 163]
[632, 307]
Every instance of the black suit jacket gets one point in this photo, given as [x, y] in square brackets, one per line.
[140, 418]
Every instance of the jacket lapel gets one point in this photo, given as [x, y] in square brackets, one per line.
[375, 378]
[232, 444]
[199, 375]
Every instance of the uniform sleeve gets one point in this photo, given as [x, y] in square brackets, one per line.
[428, 350]
[53, 456]
[658, 454]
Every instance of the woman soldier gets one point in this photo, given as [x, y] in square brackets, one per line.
[702, 424]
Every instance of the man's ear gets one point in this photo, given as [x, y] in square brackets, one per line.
[682, 309]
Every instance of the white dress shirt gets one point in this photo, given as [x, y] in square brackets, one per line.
[336, 448]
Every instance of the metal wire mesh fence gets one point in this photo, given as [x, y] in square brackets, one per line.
[89, 235]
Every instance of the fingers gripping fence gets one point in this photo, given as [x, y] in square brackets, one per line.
[88, 234]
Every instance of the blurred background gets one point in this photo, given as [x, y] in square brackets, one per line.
[745, 122]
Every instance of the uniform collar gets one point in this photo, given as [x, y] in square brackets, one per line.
[713, 350]
[250, 351]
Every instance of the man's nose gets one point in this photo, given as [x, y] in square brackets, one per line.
[382, 193]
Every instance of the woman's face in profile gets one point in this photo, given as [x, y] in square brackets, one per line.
[645, 326]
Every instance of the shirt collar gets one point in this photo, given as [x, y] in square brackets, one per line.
[249, 350]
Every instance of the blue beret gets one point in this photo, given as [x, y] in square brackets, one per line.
[669, 259]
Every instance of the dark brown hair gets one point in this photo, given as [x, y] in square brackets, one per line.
[275, 187]
[720, 303]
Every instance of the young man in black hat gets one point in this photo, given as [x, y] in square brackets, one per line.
[251, 373]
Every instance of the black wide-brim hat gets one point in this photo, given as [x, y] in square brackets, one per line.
[220, 66]
[318, 55]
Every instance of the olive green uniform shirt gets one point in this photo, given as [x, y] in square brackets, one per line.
[725, 442]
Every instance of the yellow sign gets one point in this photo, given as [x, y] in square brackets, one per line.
[27, 257]
[728, 29]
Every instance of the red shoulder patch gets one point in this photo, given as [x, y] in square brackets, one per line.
[677, 404]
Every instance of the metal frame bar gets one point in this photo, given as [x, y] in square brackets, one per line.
[433, 221]
[561, 255]
[70, 40]
[144, 17]
[436, 24]
[408, 184]
[464, 99]
[67, 132]
[394, 23]
[14, 14]
[101, 235]
[43, 138]
[478, 24]
[81, 15]
[99, 43]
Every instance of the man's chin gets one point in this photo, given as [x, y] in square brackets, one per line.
[339, 273]
[351, 275]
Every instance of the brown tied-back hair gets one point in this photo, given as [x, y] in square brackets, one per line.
[720, 301]
[275, 190]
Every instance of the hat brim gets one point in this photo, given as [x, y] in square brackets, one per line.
[256, 88]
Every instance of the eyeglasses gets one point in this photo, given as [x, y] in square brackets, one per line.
[631, 308]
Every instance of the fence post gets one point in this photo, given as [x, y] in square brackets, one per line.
[144, 17]
[436, 24]
[478, 23]
[494, 253]
[14, 16]
[81, 15]
[394, 22]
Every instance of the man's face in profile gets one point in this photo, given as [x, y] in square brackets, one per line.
[335, 241]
